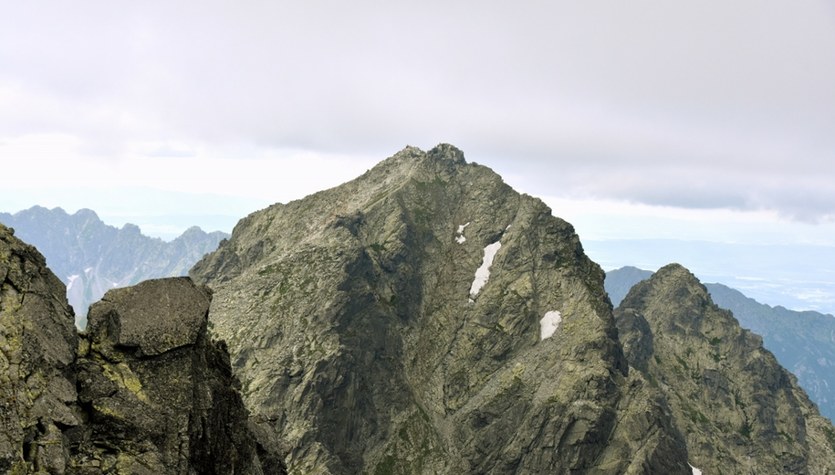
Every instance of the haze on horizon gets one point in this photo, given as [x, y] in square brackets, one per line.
[707, 121]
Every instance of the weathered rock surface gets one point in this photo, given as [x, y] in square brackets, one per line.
[426, 318]
[37, 351]
[802, 341]
[739, 410]
[144, 392]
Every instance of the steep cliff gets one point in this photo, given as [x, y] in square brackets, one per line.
[739, 410]
[426, 318]
[37, 351]
[145, 392]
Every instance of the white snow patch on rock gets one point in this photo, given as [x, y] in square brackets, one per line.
[549, 324]
[695, 470]
[460, 239]
[482, 274]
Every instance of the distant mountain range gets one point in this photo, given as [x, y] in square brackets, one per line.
[91, 257]
[803, 342]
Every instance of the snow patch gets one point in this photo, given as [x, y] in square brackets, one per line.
[460, 239]
[88, 270]
[71, 280]
[482, 274]
[695, 470]
[549, 324]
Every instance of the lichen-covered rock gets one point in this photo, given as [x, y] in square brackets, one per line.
[146, 392]
[154, 317]
[739, 410]
[394, 324]
[160, 395]
[37, 350]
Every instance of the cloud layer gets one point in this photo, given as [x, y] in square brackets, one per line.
[705, 105]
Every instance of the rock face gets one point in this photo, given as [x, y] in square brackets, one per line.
[739, 410]
[37, 351]
[803, 342]
[144, 392]
[426, 318]
[91, 257]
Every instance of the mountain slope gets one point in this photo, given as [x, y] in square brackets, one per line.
[803, 342]
[91, 257]
[739, 410]
[426, 318]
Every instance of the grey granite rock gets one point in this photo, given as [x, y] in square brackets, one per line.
[739, 410]
[393, 324]
[154, 316]
[37, 351]
[145, 392]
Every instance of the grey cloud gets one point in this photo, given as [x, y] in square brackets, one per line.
[715, 104]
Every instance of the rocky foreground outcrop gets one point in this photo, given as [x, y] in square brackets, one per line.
[37, 354]
[739, 410]
[426, 318]
[144, 392]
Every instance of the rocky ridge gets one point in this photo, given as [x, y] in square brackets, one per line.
[145, 391]
[802, 341]
[426, 318]
[739, 410]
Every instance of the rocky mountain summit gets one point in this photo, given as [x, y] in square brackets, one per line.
[91, 257]
[426, 318]
[144, 392]
[739, 410]
[802, 341]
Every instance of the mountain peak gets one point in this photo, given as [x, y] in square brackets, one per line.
[84, 213]
[473, 303]
[449, 152]
[729, 396]
[672, 287]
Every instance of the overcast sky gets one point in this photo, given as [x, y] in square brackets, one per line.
[708, 120]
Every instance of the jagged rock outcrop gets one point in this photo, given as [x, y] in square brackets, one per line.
[802, 341]
[91, 257]
[739, 410]
[144, 392]
[37, 351]
[426, 318]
